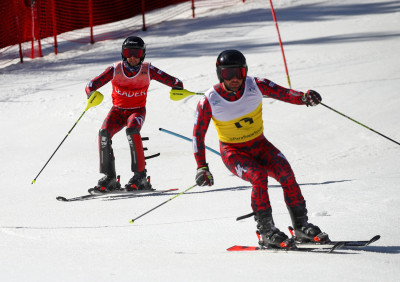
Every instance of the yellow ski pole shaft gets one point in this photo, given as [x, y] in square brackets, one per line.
[133, 220]
[95, 99]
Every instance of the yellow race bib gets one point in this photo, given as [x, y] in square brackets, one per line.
[241, 129]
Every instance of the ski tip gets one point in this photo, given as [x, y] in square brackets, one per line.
[377, 237]
[374, 239]
[337, 246]
[242, 248]
[63, 199]
[91, 191]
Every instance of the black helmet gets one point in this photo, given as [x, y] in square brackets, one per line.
[230, 59]
[134, 42]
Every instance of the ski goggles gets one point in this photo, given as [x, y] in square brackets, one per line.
[228, 74]
[137, 53]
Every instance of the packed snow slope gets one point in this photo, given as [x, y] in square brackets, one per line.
[350, 176]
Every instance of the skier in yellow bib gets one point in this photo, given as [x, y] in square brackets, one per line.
[235, 107]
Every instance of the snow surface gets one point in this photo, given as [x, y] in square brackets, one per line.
[350, 176]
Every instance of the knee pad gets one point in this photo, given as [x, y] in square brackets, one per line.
[104, 138]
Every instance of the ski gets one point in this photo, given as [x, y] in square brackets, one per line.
[124, 192]
[340, 244]
[314, 249]
[328, 247]
[344, 244]
[115, 195]
[361, 244]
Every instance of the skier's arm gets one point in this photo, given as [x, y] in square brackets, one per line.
[271, 90]
[202, 121]
[165, 78]
[203, 117]
[100, 80]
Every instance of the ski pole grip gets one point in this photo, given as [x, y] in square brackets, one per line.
[95, 99]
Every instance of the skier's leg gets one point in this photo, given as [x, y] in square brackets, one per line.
[107, 164]
[106, 153]
[110, 126]
[246, 167]
[136, 148]
[134, 125]
[280, 169]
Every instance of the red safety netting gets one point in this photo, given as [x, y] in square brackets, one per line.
[33, 28]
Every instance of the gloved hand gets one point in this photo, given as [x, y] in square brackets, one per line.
[204, 177]
[90, 94]
[311, 98]
[178, 84]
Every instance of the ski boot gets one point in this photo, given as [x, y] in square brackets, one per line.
[303, 230]
[139, 182]
[107, 184]
[269, 235]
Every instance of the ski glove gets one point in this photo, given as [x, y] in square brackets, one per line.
[90, 94]
[311, 98]
[204, 177]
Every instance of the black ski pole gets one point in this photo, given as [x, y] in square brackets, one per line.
[360, 123]
[133, 220]
[178, 94]
[95, 99]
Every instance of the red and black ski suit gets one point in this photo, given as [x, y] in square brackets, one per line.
[129, 107]
[255, 159]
